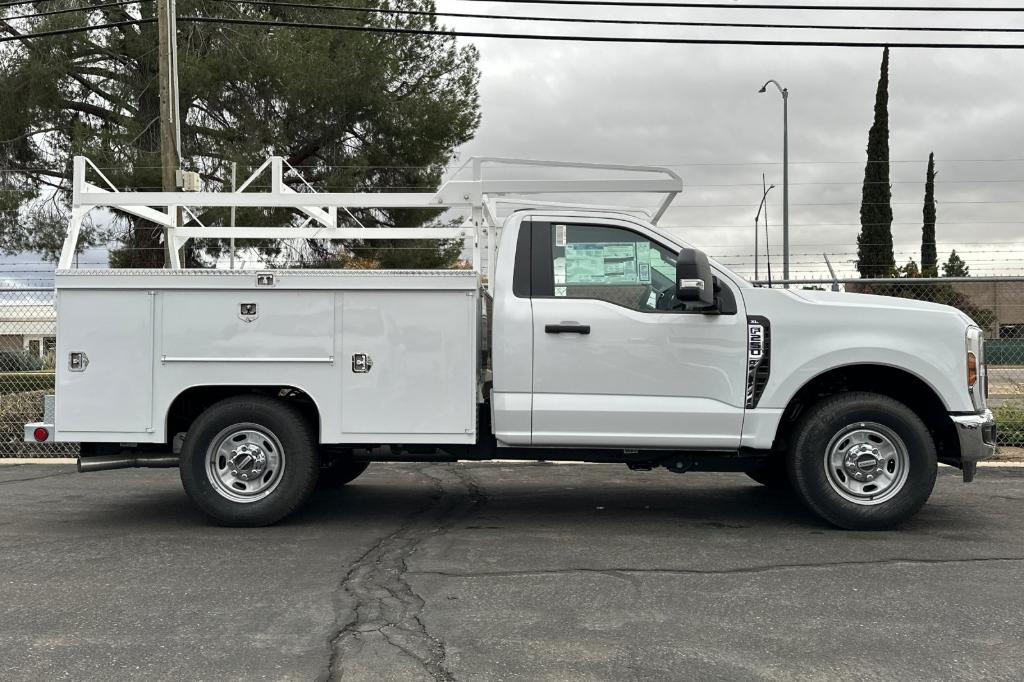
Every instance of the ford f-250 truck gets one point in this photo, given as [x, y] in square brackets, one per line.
[592, 335]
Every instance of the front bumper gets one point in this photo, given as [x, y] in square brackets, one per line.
[977, 434]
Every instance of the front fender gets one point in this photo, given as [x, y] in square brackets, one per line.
[942, 377]
[810, 336]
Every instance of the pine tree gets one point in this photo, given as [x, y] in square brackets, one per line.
[929, 262]
[909, 270]
[874, 243]
[955, 266]
[351, 110]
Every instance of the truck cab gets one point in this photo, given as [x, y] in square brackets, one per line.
[590, 335]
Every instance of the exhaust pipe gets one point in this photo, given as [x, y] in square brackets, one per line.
[106, 462]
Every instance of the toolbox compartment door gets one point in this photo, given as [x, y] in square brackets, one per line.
[113, 392]
[421, 350]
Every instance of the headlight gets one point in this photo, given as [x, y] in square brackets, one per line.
[976, 379]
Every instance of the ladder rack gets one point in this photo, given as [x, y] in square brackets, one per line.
[478, 194]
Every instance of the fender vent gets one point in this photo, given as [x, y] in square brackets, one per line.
[759, 361]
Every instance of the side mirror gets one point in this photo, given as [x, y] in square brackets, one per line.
[694, 282]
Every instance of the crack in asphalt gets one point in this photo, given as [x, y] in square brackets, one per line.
[37, 478]
[385, 604]
[622, 573]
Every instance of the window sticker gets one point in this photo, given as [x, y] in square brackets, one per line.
[560, 235]
[606, 263]
[559, 270]
[643, 261]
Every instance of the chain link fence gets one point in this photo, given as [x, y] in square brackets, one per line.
[28, 344]
[28, 334]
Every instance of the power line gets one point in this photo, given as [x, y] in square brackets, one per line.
[87, 8]
[676, 164]
[20, 2]
[626, 22]
[77, 29]
[596, 39]
[732, 5]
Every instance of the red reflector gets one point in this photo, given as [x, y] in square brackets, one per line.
[40, 434]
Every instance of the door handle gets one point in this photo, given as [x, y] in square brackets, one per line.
[567, 328]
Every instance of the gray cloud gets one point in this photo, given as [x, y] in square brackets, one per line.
[697, 107]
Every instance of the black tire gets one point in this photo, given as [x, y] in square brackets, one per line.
[820, 484]
[264, 420]
[336, 473]
[774, 475]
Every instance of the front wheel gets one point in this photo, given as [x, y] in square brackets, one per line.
[863, 461]
[249, 461]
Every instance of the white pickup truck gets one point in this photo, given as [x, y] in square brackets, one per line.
[592, 336]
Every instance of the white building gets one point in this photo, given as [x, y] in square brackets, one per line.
[27, 325]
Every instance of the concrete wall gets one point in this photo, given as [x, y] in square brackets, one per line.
[1005, 299]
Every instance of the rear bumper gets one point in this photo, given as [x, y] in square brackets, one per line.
[977, 435]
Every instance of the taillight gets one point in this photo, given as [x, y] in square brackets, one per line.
[41, 434]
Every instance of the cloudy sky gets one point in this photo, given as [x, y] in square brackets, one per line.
[696, 109]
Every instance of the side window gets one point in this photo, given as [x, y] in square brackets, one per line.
[612, 264]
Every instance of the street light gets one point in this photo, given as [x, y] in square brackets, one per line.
[785, 173]
[757, 222]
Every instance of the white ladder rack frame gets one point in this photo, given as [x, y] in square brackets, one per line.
[478, 194]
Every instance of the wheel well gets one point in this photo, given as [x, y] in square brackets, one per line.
[889, 381]
[191, 402]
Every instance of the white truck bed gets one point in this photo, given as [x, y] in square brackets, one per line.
[150, 335]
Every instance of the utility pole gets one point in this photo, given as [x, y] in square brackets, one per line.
[170, 127]
[234, 182]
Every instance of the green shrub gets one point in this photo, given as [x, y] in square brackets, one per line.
[19, 361]
[1010, 424]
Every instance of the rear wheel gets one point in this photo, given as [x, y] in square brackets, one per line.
[249, 461]
[863, 461]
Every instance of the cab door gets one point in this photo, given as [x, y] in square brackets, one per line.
[617, 362]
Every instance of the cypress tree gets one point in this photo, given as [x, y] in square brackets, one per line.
[874, 243]
[929, 262]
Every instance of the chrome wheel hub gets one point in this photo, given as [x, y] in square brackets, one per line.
[863, 462]
[245, 462]
[248, 462]
[867, 463]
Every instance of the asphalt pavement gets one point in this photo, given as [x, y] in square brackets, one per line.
[505, 572]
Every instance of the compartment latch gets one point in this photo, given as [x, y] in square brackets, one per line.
[361, 363]
[77, 361]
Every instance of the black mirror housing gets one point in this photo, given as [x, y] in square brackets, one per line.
[694, 282]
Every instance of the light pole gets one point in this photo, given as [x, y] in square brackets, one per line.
[785, 174]
[757, 222]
